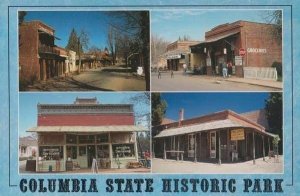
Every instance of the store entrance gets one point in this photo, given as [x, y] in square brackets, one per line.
[91, 153]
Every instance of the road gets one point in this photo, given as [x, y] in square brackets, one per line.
[106, 79]
[182, 82]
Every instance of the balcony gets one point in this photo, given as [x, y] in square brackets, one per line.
[48, 49]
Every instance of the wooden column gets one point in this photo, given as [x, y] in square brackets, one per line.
[200, 146]
[178, 149]
[44, 69]
[269, 145]
[219, 147]
[246, 150]
[253, 145]
[263, 141]
[195, 148]
[165, 156]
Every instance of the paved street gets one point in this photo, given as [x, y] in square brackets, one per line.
[173, 166]
[182, 82]
[106, 79]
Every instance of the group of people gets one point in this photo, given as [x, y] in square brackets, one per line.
[226, 69]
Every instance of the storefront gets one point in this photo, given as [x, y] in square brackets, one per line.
[178, 54]
[70, 136]
[248, 46]
[219, 137]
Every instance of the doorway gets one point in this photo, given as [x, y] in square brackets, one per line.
[91, 153]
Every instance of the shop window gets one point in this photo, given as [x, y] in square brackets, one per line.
[82, 150]
[102, 138]
[51, 152]
[72, 152]
[86, 139]
[123, 150]
[71, 139]
[102, 151]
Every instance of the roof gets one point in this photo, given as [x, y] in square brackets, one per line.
[90, 129]
[218, 120]
[166, 121]
[27, 141]
[215, 38]
[257, 116]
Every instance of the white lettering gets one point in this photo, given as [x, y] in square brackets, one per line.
[256, 50]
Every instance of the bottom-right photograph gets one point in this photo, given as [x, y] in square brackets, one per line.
[215, 133]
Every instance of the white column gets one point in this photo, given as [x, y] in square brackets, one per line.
[264, 154]
[195, 148]
[135, 146]
[110, 150]
[37, 153]
[253, 145]
[165, 156]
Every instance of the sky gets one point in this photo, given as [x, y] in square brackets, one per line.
[95, 23]
[28, 104]
[198, 104]
[170, 24]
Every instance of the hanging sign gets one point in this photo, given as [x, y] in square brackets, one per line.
[237, 134]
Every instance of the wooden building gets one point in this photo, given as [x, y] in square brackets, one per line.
[219, 137]
[70, 136]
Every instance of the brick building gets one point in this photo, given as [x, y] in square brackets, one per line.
[223, 43]
[177, 54]
[218, 137]
[39, 57]
[70, 136]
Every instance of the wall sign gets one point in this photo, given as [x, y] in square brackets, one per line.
[256, 50]
[238, 60]
[237, 134]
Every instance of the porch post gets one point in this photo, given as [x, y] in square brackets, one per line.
[165, 156]
[264, 154]
[195, 148]
[246, 145]
[253, 145]
[200, 146]
[178, 147]
[219, 147]
[269, 144]
[37, 155]
[44, 69]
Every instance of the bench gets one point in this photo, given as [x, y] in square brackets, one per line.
[175, 151]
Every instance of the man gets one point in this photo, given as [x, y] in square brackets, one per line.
[224, 70]
[147, 157]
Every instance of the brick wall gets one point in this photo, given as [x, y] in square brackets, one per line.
[85, 120]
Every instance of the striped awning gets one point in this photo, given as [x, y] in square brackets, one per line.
[88, 129]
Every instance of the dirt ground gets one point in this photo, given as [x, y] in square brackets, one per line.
[173, 166]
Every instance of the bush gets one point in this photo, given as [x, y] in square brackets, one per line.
[278, 67]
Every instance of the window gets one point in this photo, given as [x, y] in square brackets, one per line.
[123, 150]
[72, 152]
[51, 152]
[102, 138]
[102, 151]
[86, 139]
[71, 139]
[82, 150]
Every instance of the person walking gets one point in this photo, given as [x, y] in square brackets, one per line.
[172, 74]
[224, 70]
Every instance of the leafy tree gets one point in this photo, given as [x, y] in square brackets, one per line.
[21, 16]
[158, 110]
[273, 107]
[73, 41]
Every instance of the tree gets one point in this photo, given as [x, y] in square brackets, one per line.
[273, 107]
[158, 109]
[111, 42]
[78, 43]
[21, 16]
[158, 47]
[274, 18]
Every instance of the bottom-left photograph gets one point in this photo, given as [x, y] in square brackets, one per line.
[84, 133]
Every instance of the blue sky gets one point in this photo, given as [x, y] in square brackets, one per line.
[28, 104]
[170, 24]
[94, 23]
[198, 104]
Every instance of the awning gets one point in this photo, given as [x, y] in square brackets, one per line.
[88, 129]
[218, 124]
[175, 54]
[216, 38]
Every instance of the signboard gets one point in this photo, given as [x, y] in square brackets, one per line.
[123, 150]
[238, 60]
[237, 134]
[174, 56]
[242, 52]
[256, 50]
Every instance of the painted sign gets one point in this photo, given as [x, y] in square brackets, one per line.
[237, 134]
[174, 56]
[256, 50]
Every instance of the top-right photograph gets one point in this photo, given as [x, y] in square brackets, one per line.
[216, 50]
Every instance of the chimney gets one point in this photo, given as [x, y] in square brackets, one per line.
[181, 116]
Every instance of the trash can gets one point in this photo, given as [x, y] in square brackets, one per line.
[50, 168]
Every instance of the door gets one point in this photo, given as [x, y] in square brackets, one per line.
[213, 144]
[91, 153]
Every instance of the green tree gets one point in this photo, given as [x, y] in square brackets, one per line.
[73, 41]
[273, 107]
[21, 16]
[158, 109]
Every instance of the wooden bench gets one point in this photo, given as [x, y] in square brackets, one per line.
[175, 151]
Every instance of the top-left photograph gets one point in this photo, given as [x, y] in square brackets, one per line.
[84, 50]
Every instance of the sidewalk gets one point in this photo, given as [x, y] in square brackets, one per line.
[266, 83]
